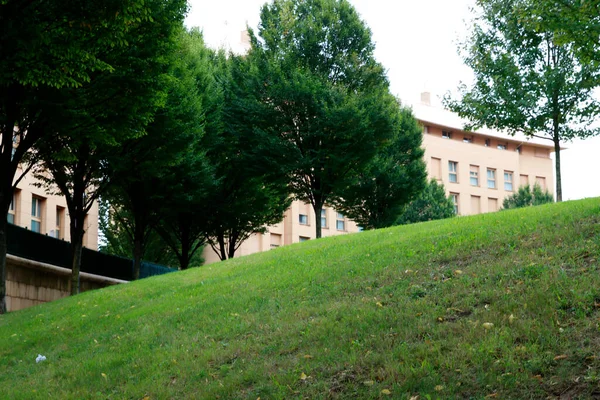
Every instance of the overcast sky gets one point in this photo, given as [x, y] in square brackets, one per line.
[417, 43]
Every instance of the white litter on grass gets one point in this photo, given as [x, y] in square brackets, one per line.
[40, 358]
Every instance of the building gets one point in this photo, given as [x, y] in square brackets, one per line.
[478, 169]
[34, 209]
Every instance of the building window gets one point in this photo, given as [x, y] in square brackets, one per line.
[60, 218]
[340, 222]
[540, 180]
[304, 239]
[303, 219]
[453, 171]
[468, 139]
[323, 218]
[508, 181]
[524, 180]
[475, 204]
[487, 142]
[275, 240]
[539, 152]
[426, 129]
[502, 146]
[491, 178]
[519, 149]
[11, 211]
[447, 134]
[474, 175]
[36, 214]
[454, 198]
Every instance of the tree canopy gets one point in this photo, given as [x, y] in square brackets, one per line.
[391, 179]
[527, 80]
[324, 99]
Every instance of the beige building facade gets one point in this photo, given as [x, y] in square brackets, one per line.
[478, 170]
[38, 211]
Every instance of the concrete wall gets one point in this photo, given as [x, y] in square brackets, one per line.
[29, 283]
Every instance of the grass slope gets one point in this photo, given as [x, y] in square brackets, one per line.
[394, 313]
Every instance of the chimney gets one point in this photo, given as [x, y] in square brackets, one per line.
[426, 98]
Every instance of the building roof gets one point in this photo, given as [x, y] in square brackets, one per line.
[439, 116]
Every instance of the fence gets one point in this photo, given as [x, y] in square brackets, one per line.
[30, 245]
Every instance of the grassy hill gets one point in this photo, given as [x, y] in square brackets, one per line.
[502, 305]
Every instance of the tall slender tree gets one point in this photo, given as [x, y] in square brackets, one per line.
[323, 96]
[527, 80]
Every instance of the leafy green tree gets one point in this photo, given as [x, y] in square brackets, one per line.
[571, 21]
[526, 79]
[526, 196]
[95, 118]
[431, 204]
[49, 46]
[392, 179]
[322, 106]
[141, 169]
[242, 200]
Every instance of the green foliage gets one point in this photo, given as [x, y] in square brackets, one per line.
[321, 102]
[526, 196]
[431, 204]
[400, 309]
[146, 172]
[392, 178]
[526, 79]
[243, 200]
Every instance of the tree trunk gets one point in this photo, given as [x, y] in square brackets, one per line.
[3, 249]
[223, 252]
[137, 255]
[184, 261]
[317, 209]
[558, 176]
[233, 238]
[76, 250]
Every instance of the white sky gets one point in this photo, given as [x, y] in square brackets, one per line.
[417, 42]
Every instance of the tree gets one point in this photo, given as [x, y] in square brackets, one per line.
[321, 98]
[392, 178]
[243, 200]
[526, 79]
[140, 170]
[431, 204]
[47, 47]
[571, 21]
[525, 197]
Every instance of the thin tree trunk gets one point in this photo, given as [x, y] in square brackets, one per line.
[558, 175]
[233, 238]
[137, 255]
[223, 252]
[318, 226]
[76, 250]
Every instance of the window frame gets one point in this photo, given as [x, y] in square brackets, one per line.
[474, 169]
[305, 219]
[494, 180]
[452, 172]
[509, 182]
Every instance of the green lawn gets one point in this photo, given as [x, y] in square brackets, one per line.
[503, 305]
